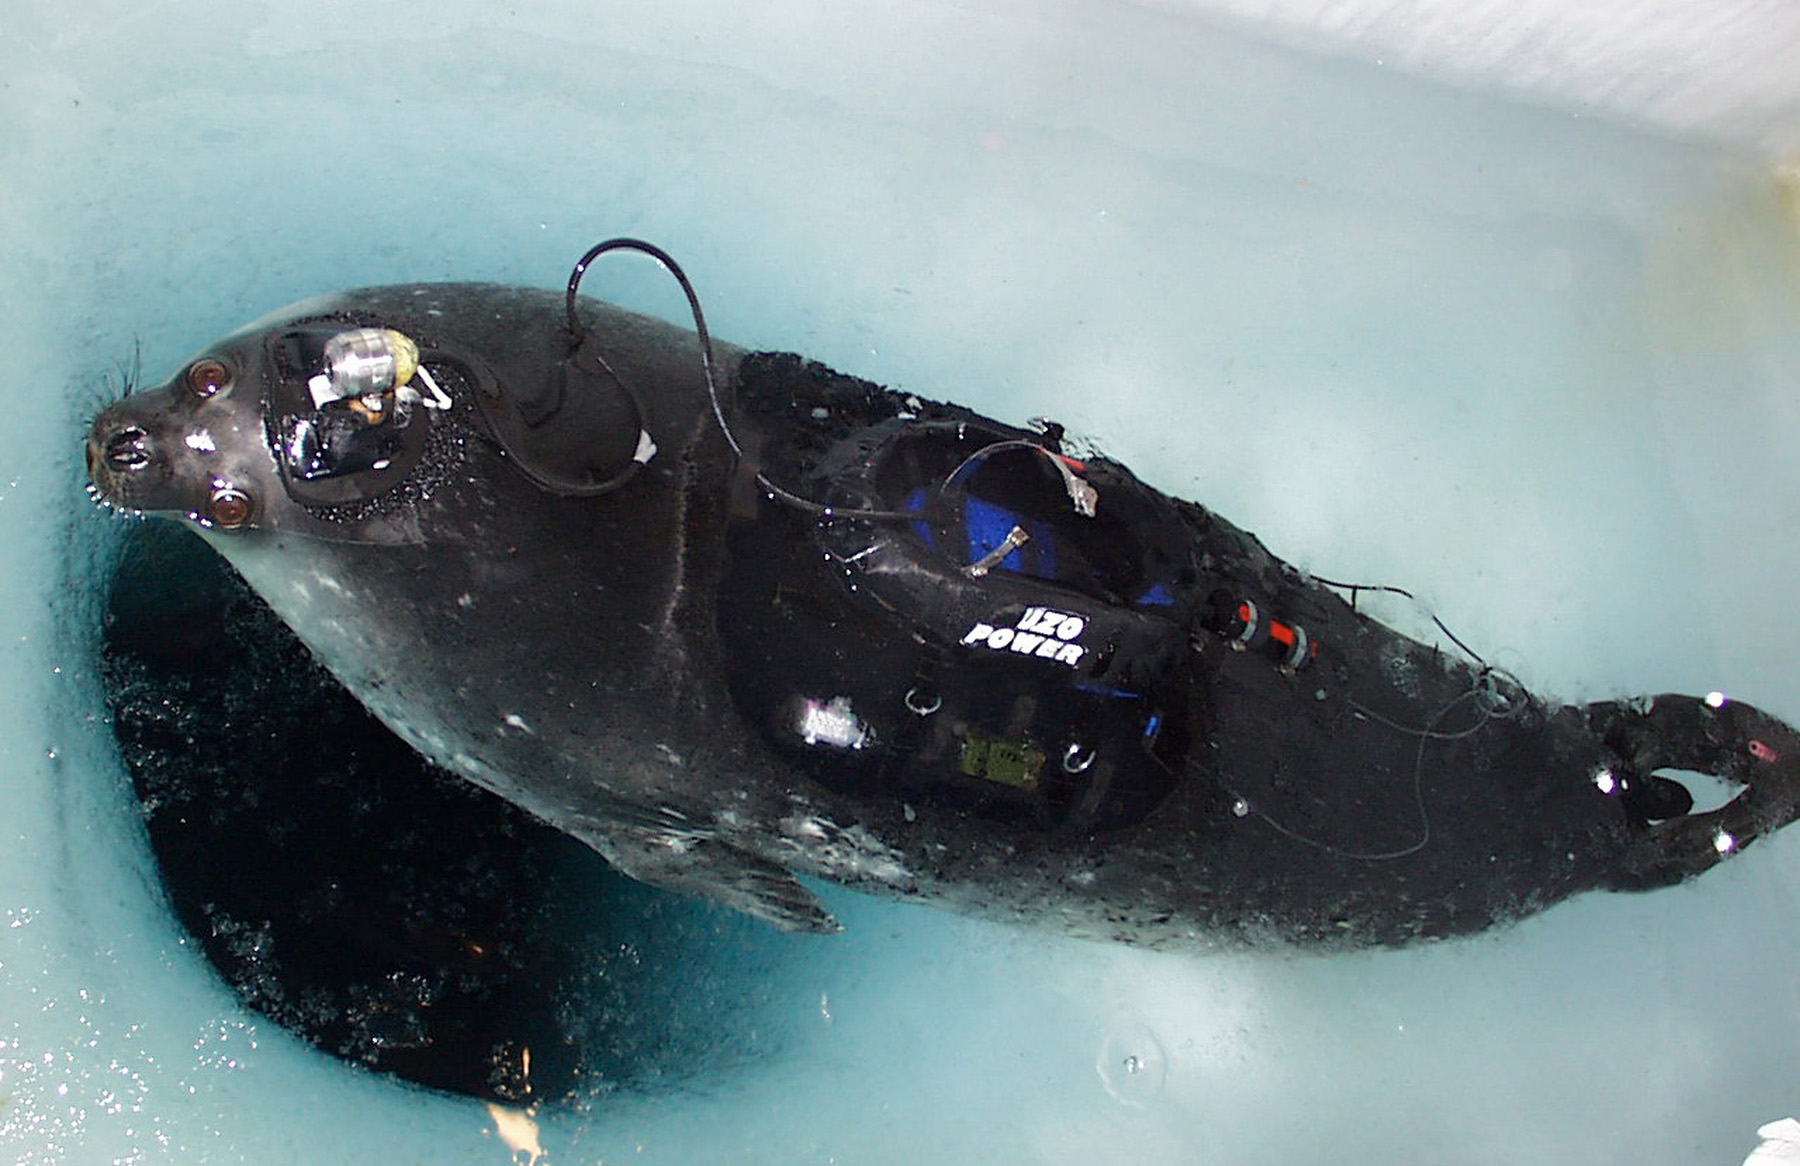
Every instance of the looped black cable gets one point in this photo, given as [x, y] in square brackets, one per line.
[709, 366]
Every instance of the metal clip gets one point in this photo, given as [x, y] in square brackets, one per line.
[1012, 542]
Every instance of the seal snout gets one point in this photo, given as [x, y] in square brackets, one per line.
[118, 449]
[128, 448]
[126, 461]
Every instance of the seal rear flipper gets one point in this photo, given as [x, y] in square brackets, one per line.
[682, 860]
[1733, 741]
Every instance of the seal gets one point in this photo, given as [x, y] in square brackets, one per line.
[733, 618]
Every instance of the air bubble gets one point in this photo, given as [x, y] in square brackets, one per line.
[1132, 1065]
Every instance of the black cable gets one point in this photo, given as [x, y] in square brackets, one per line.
[1353, 588]
[708, 366]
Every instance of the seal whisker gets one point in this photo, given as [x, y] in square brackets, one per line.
[131, 375]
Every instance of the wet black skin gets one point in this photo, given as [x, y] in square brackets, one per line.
[607, 662]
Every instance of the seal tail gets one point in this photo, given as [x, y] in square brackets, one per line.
[1727, 739]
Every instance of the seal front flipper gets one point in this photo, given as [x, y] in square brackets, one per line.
[1713, 735]
[691, 862]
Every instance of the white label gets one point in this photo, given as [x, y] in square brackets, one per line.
[1040, 632]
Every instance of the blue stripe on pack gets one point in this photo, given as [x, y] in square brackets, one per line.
[915, 502]
[1158, 596]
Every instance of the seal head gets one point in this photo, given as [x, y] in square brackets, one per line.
[302, 429]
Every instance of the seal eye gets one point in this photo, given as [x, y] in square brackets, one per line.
[208, 377]
[229, 507]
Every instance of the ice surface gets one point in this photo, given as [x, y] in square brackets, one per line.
[1536, 368]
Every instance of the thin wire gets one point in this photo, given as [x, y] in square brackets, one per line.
[709, 367]
[1495, 705]
[1424, 735]
[1353, 588]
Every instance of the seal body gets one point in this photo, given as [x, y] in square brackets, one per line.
[791, 623]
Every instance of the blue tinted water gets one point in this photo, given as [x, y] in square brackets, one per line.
[1536, 367]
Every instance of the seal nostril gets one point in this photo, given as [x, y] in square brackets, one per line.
[128, 449]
